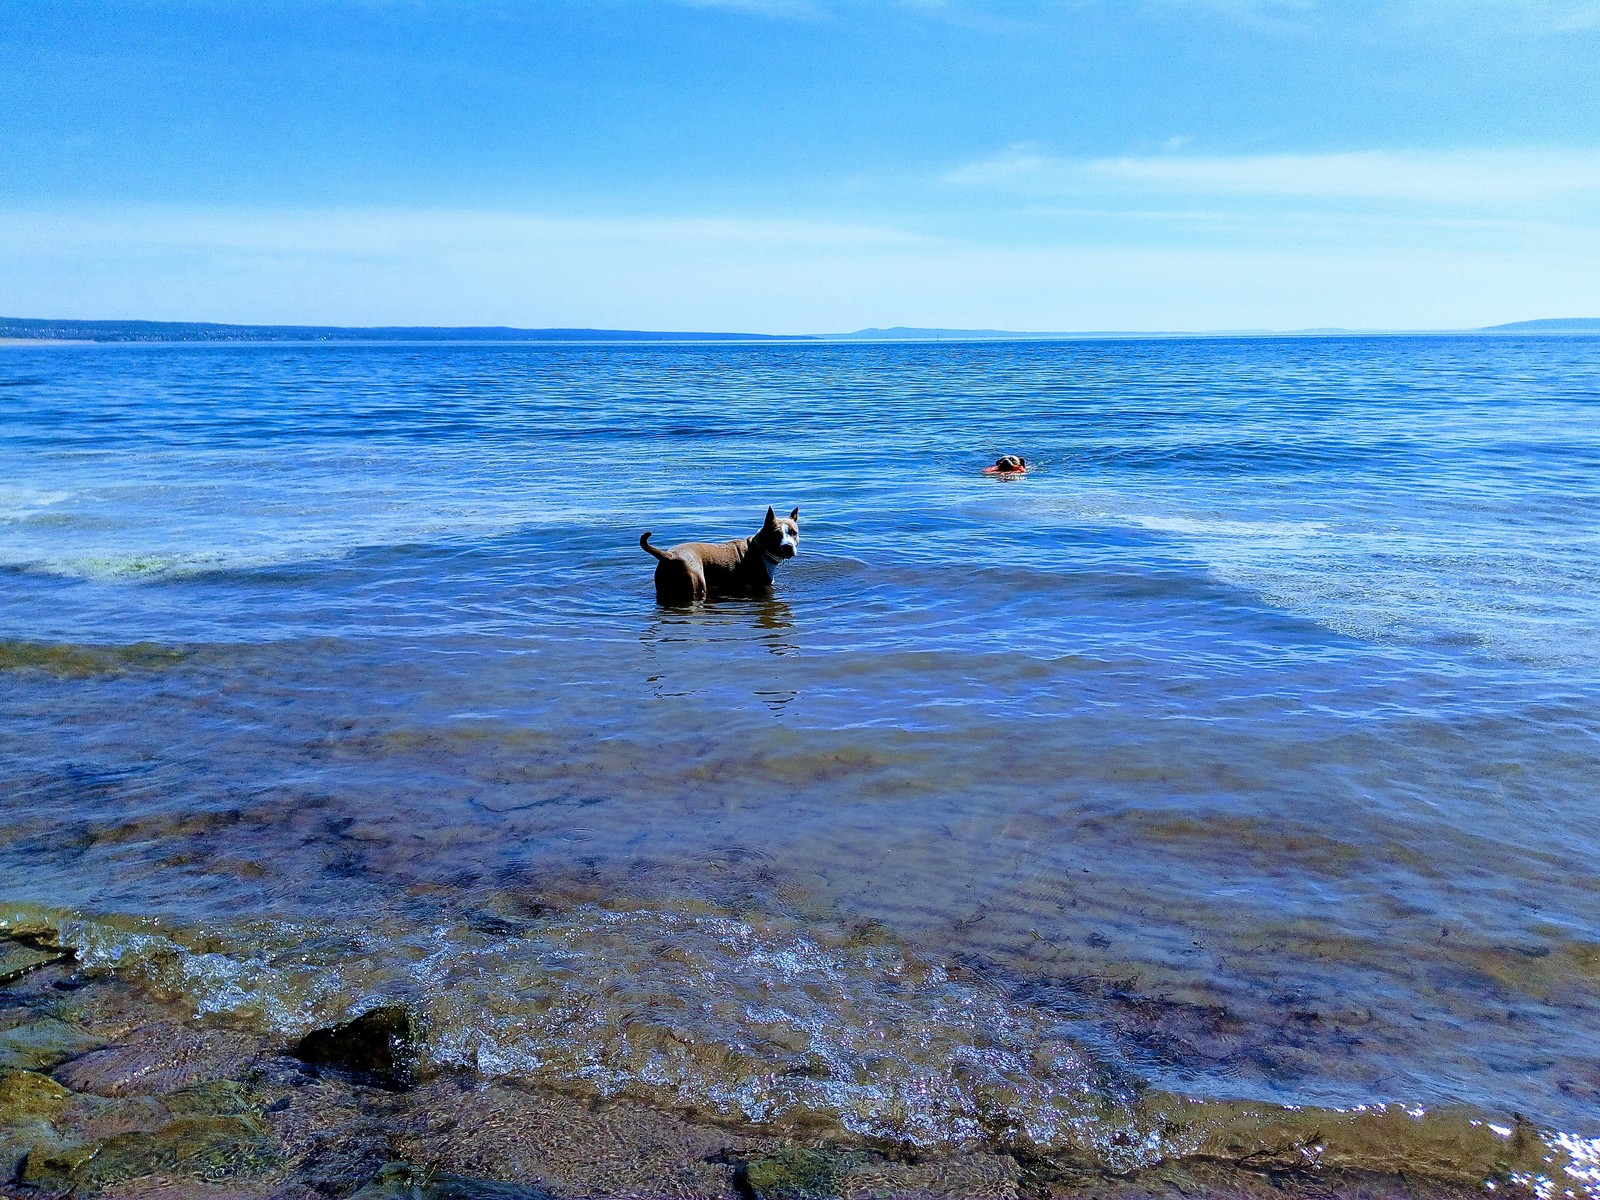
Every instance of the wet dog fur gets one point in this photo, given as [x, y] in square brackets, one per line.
[743, 567]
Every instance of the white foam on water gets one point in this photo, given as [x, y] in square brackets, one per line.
[1224, 527]
[1366, 577]
[22, 503]
[761, 1022]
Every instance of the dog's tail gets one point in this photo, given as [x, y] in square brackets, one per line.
[644, 544]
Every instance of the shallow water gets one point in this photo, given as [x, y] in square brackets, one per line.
[1246, 749]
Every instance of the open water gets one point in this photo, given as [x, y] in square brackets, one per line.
[1248, 749]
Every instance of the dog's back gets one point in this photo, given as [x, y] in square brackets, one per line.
[691, 571]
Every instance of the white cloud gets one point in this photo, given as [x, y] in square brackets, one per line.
[1490, 179]
[1509, 16]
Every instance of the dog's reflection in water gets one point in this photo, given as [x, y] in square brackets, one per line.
[720, 627]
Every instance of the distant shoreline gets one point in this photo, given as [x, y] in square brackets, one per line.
[33, 331]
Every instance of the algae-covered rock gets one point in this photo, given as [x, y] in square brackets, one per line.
[41, 1044]
[17, 958]
[377, 1044]
[212, 1148]
[793, 1174]
[68, 661]
[18, 1141]
[223, 1097]
[402, 1181]
[1455, 1146]
[52, 1163]
[220, 1147]
[29, 1102]
[29, 1096]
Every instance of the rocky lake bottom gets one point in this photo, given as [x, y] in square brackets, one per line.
[109, 1090]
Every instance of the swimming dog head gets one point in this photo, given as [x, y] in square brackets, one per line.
[780, 536]
[1009, 464]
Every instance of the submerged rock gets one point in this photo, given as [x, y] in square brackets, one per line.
[158, 1059]
[40, 1044]
[402, 1181]
[377, 1044]
[970, 1176]
[68, 661]
[29, 1103]
[18, 1142]
[567, 1144]
[18, 957]
[212, 1148]
[794, 1174]
[29, 1096]
[222, 1097]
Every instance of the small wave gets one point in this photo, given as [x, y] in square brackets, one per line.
[1225, 528]
[137, 568]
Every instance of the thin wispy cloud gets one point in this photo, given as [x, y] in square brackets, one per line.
[1447, 179]
[1511, 16]
[1508, 17]
[806, 9]
[441, 266]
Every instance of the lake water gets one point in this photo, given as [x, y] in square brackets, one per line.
[1247, 749]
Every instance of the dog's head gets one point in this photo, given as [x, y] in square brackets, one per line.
[780, 536]
[1009, 463]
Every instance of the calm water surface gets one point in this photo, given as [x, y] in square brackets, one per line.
[1246, 749]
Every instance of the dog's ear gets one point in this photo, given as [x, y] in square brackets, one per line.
[772, 518]
[794, 513]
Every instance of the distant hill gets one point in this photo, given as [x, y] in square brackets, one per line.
[1552, 325]
[205, 331]
[906, 333]
[35, 329]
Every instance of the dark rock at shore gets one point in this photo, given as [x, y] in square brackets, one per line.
[402, 1181]
[377, 1044]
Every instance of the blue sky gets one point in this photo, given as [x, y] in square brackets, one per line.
[803, 165]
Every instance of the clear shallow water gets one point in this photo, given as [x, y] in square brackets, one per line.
[1246, 749]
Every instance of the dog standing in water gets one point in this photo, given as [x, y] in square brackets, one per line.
[743, 567]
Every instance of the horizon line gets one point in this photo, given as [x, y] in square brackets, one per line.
[95, 330]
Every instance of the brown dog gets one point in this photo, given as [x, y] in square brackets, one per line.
[743, 567]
